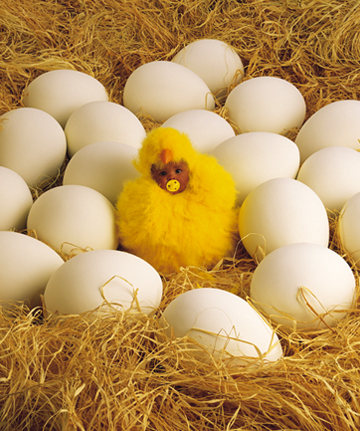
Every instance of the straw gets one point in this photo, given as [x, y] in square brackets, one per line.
[119, 371]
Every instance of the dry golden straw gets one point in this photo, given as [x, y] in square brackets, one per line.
[119, 371]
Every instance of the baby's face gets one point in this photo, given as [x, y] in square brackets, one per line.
[177, 171]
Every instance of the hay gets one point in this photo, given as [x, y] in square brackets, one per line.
[120, 372]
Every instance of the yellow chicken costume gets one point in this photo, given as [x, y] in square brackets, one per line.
[196, 227]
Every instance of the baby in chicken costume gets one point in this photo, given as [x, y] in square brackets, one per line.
[181, 211]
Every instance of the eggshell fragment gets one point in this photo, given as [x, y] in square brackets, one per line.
[216, 62]
[61, 92]
[26, 265]
[86, 281]
[281, 211]
[15, 200]
[334, 175]
[71, 218]
[255, 157]
[222, 323]
[336, 124]
[103, 166]
[306, 283]
[266, 104]
[100, 122]
[349, 228]
[32, 143]
[162, 89]
[206, 129]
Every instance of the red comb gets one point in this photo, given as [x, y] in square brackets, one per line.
[166, 156]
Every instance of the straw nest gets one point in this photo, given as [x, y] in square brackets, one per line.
[120, 372]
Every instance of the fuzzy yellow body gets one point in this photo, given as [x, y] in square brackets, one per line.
[194, 228]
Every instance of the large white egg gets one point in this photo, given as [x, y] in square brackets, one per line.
[15, 200]
[334, 175]
[206, 129]
[86, 281]
[255, 157]
[61, 92]
[349, 228]
[336, 124]
[222, 323]
[100, 122]
[26, 265]
[72, 217]
[32, 143]
[266, 104]
[281, 211]
[103, 166]
[301, 282]
[216, 62]
[162, 89]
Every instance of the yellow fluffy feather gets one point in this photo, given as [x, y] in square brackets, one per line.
[194, 228]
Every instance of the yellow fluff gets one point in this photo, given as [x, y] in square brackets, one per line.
[194, 228]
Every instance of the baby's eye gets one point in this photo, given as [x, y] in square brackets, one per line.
[162, 173]
[178, 171]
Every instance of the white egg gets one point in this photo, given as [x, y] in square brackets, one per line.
[334, 175]
[336, 124]
[206, 129]
[103, 166]
[86, 281]
[216, 62]
[26, 265]
[162, 89]
[222, 323]
[100, 122]
[349, 228]
[71, 218]
[281, 211]
[266, 104]
[255, 157]
[32, 143]
[306, 283]
[61, 92]
[15, 200]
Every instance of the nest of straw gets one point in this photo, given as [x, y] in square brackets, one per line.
[119, 372]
